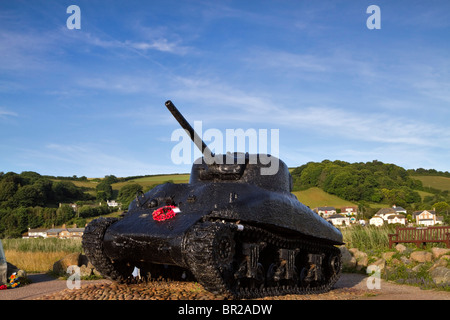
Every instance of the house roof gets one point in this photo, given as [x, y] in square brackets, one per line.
[416, 213]
[75, 229]
[58, 230]
[384, 211]
[55, 230]
[337, 216]
[398, 216]
[37, 230]
[326, 208]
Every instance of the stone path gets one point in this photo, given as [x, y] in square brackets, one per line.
[41, 284]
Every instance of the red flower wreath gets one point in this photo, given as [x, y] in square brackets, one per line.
[164, 213]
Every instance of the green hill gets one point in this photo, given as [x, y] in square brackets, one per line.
[315, 197]
[151, 181]
[435, 182]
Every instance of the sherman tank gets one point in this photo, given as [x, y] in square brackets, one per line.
[238, 232]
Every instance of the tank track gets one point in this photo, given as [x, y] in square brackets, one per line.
[225, 266]
[92, 243]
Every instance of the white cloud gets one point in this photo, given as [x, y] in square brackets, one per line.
[162, 45]
[5, 113]
[109, 42]
[366, 126]
[220, 94]
[355, 125]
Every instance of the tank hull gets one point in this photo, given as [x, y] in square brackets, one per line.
[141, 239]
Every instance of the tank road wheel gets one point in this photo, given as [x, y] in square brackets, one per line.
[251, 274]
[334, 267]
[284, 271]
[209, 250]
[93, 248]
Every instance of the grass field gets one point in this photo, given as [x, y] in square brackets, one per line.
[38, 255]
[315, 197]
[34, 262]
[147, 182]
[441, 183]
[423, 194]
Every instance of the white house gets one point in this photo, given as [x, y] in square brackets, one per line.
[427, 218]
[376, 221]
[339, 220]
[112, 203]
[389, 215]
[397, 218]
[349, 211]
[36, 233]
[325, 212]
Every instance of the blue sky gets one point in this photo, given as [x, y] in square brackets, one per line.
[91, 101]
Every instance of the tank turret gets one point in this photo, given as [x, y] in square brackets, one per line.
[235, 230]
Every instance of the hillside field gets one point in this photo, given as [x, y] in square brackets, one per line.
[436, 182]
[316, 197]
[147, 182]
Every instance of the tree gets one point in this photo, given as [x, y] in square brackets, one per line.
[64, 214]
[111, 179]
[441, 207]
[104, 191]
[29, 196]
[66, 191]
[30, 177]
[372, 181]
[7, 190]
[127, 193]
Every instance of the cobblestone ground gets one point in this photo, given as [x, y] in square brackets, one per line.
[175, 290]
[349, 287]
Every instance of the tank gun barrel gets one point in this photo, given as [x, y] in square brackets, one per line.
[186, 126]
